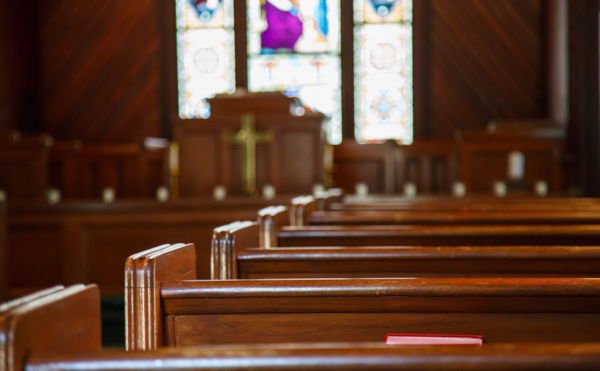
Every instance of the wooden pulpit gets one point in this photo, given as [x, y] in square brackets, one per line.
[251, 140]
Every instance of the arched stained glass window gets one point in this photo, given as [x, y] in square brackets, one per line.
[294, 47]
[205, 53]
[383, 81]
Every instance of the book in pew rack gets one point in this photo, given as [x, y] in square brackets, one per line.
[433, 339]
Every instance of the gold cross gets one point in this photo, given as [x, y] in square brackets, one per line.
[248, 138]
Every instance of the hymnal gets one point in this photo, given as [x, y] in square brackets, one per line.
[432, 339]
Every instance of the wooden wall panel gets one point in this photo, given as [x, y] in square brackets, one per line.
[100, 68]
[485, 63]
[18, 65]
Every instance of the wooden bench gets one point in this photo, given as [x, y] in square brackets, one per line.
[83, 171]
[58, 329]
[88, 242]
[274, 227]
[347, 356]
[236, 255]
[469, 203]
[440, 235]
[509, 217]
[3, 254]
[54, 320]
[24, 166]
[166, 307]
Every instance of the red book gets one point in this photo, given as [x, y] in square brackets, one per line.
[432, 339]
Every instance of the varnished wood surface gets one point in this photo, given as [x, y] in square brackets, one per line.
[453, 217]
[227, 240]
[144, 273]
[501, 309]
[470, 203]
[431, 235]
[89, 242]
[419, 261]
[343, 356]
[3, 254]
[56, 320]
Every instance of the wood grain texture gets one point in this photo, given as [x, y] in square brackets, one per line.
[410, 261]
[100, 68]
[3, 254]
[485, 63]
[89, 241]
[56, 320]
[501, 309]
[144, 273]
[437, 235]
[340, 356]
[226, 241]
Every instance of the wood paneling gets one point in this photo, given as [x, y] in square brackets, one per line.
[100, 62]
[18, 65]
[485, 63]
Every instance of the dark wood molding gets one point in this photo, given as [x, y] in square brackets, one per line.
[556, 83]
[168, 66]
[583, 91]
[347, 60]
[421, 48]
[241, 41]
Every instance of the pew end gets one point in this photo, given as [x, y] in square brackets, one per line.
[270, 220]
[300, 209]
[144, 273]
[57, 319]
[226, 241]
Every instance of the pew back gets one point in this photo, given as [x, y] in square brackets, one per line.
[361, 356]
[237, 254]
[439, 235]
[55, 320]
[500, 309]
[3, 254]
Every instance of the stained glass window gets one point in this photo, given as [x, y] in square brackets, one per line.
[383, 82]
[294, 46]
[205, 53]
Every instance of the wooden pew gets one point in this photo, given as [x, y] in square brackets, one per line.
[83, 171]
[439, 235]
[370, 217]
[163, 310]
[55, 320]
[236, 255]
[469, 203]
[347, 356]
[88, 242]
[24, 166]
[3, 254]
[56, 330]
[436, 234]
